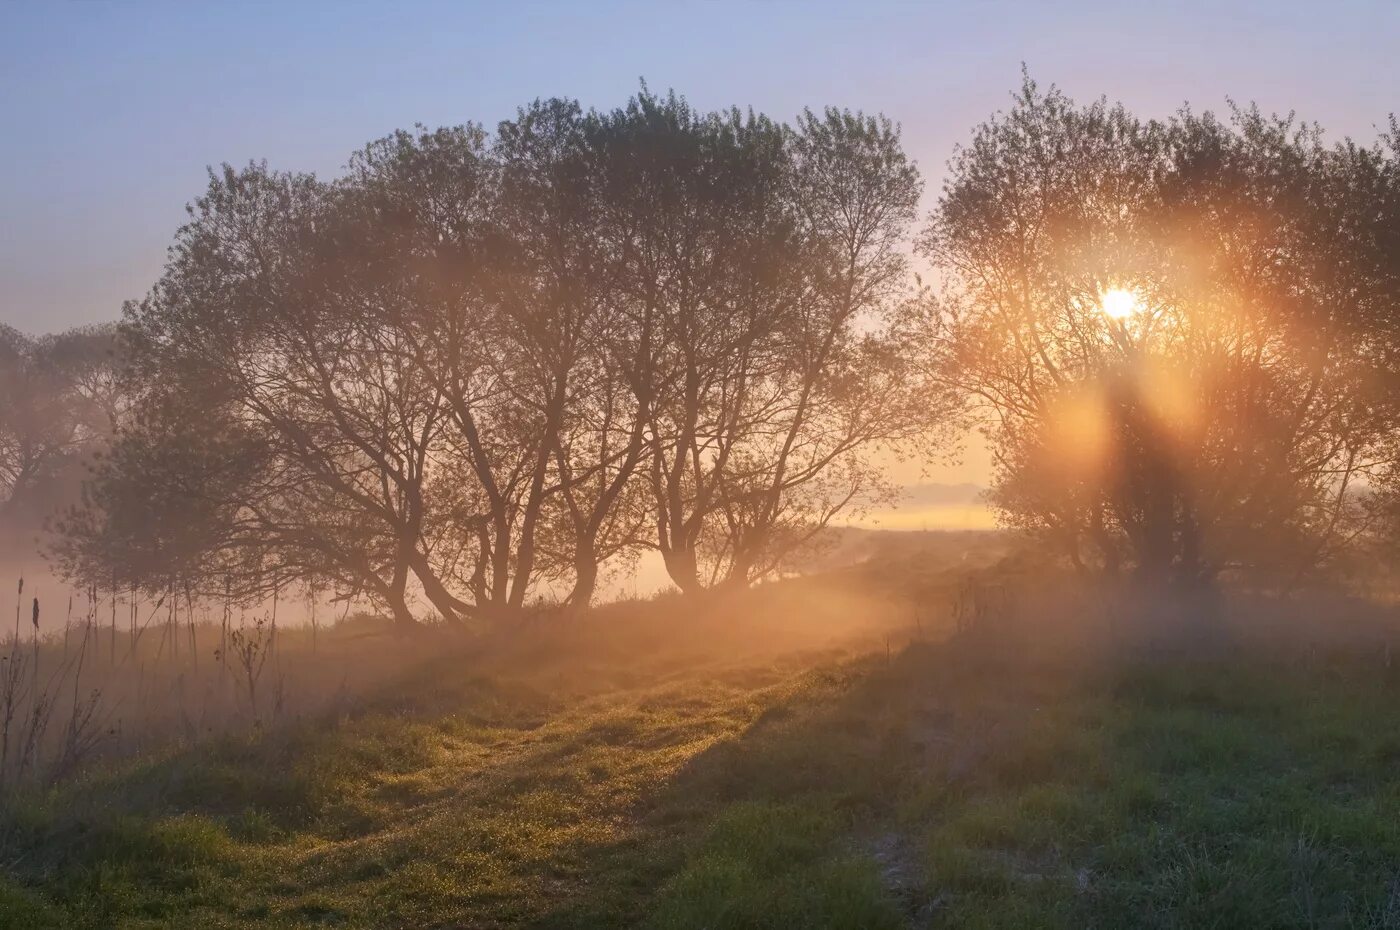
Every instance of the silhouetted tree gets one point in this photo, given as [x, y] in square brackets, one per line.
[60, 402]
[265, 333]
[1224, 414]
[763, 262]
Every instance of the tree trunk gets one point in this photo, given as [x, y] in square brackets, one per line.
[452, 609]
[585, 578]
[682, 566]
[404, 620]
[740, 570]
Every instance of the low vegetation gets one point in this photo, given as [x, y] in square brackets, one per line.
[803, 755]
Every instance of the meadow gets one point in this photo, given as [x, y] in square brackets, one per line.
[808, 754]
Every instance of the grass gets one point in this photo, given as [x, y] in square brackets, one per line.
[1187, 796]
[752, 782]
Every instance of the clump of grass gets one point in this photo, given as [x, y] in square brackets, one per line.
[766, 865]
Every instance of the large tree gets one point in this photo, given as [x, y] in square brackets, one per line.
[266, 334]
[1178, 336]
[765, 262]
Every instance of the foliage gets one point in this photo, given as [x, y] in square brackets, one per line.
[1230, 420]
[60, 401]
[481, 364]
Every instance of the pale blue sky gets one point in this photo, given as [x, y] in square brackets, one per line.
[109, 112]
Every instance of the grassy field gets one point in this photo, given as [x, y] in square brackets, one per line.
[793, 760]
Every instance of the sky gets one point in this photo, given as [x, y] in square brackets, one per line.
[111, 112]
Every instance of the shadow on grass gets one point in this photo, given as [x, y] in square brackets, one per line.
[791, 819]
[959, 786]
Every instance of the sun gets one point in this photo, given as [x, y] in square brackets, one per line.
[1119, 304]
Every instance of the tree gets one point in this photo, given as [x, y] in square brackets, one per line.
[265, 333]
[1175, 334]
[59, 405]
[563, 305]
[763, 264]
[839, 390]
[509, 325]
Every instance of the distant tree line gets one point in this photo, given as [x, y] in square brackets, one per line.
[482, 365]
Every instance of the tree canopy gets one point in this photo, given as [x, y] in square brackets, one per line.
[482, 364]
[1181, 337]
